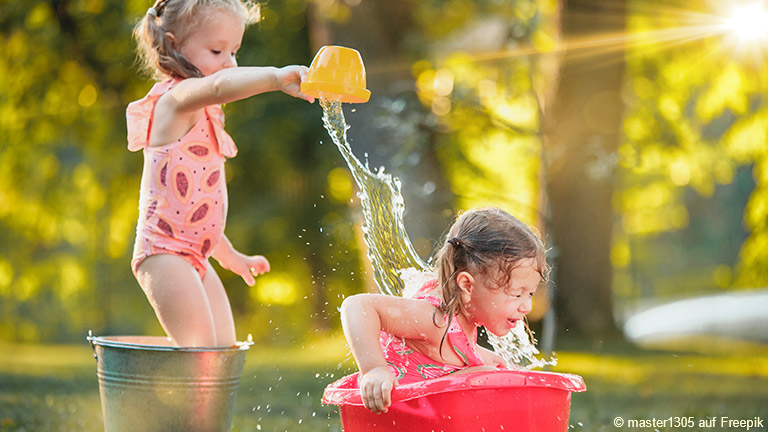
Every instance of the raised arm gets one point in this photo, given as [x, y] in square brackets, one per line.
[181, 107]
[231, 84]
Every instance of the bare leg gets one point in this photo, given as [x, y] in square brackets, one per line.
[177, 295]
[220, 308]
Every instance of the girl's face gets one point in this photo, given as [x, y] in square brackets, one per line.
[213, 45]
[500, 308]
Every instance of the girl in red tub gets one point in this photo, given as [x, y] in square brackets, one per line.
[487, 272]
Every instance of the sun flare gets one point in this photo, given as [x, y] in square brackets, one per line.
[749, 22]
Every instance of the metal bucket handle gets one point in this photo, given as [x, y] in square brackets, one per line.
[90, 340]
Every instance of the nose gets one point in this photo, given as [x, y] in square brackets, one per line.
[231, 62]
[526, 306]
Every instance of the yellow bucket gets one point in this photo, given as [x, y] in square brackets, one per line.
[337, 73]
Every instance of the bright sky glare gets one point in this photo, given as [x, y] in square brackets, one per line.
[749, 22]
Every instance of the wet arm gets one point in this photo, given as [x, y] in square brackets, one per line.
[490, 358]
[362, 324]
[364, 316]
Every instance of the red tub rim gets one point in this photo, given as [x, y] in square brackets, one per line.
[346, 392]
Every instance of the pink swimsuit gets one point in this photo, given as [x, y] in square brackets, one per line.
[409, 365]
[183, 199]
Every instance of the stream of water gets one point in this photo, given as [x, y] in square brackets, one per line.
[396, 265]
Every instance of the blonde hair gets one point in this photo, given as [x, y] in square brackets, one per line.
[157, 54]
[479, 241]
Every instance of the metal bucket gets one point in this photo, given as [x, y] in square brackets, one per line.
[147, 384]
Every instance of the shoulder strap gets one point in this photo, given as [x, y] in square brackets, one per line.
[139, 115]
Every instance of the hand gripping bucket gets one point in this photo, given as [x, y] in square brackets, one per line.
[147, 384]
[510, 401]
[337, 73]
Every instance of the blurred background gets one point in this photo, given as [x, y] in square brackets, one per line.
[631, 133]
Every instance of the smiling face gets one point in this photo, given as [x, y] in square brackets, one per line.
[212, 46]
[499, 308]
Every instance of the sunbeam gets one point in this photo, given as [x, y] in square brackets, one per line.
[742, 32]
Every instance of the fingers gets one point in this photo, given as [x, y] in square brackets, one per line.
[377, 395]
[249, 279]
[309, 99]
[375, 399]
[386, 394]
[303, 74]
[250, 267]
[259, 265]
[293, 77]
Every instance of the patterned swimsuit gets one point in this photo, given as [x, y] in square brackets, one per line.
[409, 365]
[183, 199]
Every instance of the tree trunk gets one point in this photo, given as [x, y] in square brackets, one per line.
[581, 129]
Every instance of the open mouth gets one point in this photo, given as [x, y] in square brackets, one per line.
[512, 322]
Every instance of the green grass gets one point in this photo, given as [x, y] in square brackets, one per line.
[643, 385]
[54, 388]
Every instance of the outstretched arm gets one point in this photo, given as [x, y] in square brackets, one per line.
[231, 84]
[244, 265]
[180, 108]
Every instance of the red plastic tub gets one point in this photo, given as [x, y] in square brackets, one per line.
[522, 401]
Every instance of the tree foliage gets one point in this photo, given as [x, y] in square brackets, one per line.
[691, 218]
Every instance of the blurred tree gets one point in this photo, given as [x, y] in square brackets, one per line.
[66, 204]
[581, 129]
[692, 219]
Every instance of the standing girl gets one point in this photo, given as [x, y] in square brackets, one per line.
[190, 46]
[488, 270]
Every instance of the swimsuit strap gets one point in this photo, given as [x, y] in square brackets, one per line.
[139, 113]
[458, 339]
[139, 120]
[227, 146]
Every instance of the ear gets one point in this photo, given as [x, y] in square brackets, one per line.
[466, 283]
[172, 38]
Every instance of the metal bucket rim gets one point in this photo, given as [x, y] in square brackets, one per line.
[110, 342]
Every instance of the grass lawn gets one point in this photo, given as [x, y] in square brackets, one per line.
[54, 388]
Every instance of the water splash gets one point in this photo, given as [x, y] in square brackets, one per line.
[389, 248]
[518, 349]
[398, 269]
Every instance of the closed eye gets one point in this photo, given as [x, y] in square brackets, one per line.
[217, 52]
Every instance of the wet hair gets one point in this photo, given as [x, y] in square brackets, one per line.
[482, 241]
[157, 54]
